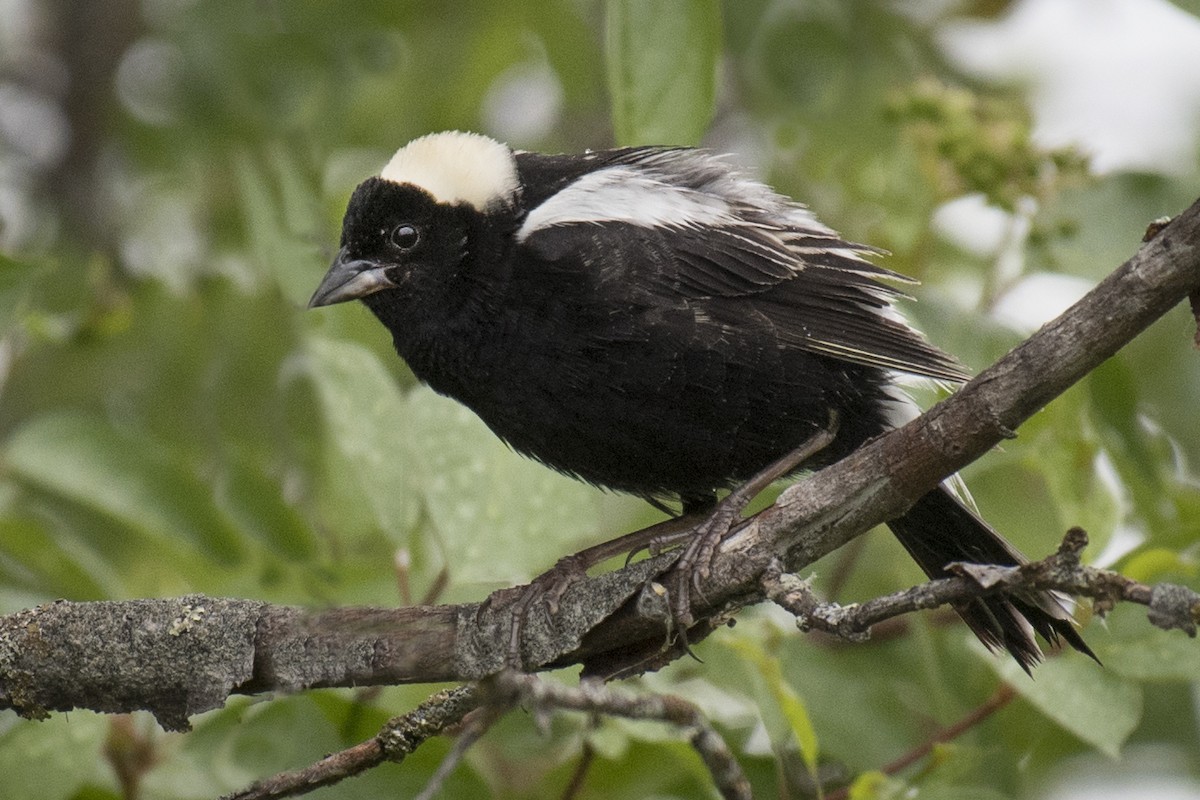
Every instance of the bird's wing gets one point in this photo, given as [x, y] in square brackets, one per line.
[730, 250]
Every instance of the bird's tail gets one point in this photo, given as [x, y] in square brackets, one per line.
[939, 530]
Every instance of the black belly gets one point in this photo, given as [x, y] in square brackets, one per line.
[662, 415]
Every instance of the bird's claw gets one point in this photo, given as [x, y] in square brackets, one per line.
[548, 590]
[694, 566]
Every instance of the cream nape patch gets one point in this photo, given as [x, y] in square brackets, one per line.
[456, 167]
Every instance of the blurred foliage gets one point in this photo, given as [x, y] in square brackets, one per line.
[662, 69]
[973, 143]
[172, 420]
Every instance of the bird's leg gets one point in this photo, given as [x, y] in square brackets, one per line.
[551, 585]
[570, 568]
[695, 563]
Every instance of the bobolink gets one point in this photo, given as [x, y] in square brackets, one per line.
[648, 320]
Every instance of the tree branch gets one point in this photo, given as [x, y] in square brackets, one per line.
[479, 706]
[1003, 695]
[593, 696]
[400, 737]
[179, 657]
[1171, 607]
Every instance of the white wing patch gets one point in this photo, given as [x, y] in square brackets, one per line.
[456, 167]
[722, 235]
[629, 195]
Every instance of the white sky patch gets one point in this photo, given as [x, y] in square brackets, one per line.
[148, 79]
[623, 194]
[972, 225]
[524, 103]
[1038, 298]
[164, 239]
[1149, 771]
[456, 167]
[34, 124]
[1118, 78]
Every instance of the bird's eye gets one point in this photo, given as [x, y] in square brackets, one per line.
[405, 236]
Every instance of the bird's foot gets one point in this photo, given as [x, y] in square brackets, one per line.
[695, 562]
[551, 586]
[548, 589]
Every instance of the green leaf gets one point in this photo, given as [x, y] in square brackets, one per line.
[962, 793]
[45, 564]
[1113, 390]
[281, 229]
[125, 476]
[662, 69]
[15, 280]
[875, 786]
[255, 503]
[501, 517]
[1097, 705]
[1156, 656]
[786, 699]
[367, 424]
[1131, 647]
[52, 759]
[1151, 564]
[1085, 488]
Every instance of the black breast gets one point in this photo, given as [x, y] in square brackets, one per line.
[650, 399]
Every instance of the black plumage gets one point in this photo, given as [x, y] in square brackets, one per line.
[649, 321]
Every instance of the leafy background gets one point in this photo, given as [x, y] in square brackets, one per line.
[172, 176]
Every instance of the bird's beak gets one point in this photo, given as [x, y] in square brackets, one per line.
[349, 279]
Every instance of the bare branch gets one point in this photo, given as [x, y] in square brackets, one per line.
[1171, 607]
[579, 774]
[478, 707]
[179, 657]
[999, 699]
[400, 737]
[329, 770]
[477, 723]
[594, 697]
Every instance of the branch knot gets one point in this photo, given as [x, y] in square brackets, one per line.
[1173, 606]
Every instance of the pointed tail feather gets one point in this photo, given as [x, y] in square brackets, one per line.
[939, 530]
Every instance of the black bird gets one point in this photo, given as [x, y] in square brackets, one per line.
[648, 320]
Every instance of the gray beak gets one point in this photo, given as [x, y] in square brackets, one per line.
[349, 280]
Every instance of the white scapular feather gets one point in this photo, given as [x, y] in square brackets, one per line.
[629, 195]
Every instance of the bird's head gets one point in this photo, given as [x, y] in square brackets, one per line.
[408, 232]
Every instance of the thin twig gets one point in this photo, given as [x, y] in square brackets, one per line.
[575, 785]
[999, 699]
[398, 738]
[326, 772]
[477, 723]
[131, 752]
[1171, 607]
[592, 696]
